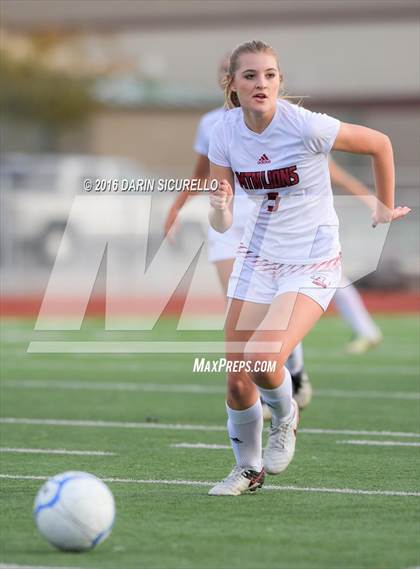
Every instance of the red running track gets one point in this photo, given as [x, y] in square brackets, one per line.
[28, 306]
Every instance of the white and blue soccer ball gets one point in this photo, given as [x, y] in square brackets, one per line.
[74, 511]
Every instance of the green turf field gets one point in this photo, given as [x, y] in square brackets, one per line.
[139, 406]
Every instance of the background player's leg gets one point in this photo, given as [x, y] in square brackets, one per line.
[224, 270]
[302, 388]
[352, 309]
[295, 361]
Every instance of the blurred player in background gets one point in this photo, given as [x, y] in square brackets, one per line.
[286, 269]
[347, 300]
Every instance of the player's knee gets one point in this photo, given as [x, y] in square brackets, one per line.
[238, 387]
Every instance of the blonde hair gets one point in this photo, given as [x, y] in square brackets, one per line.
[253, 46]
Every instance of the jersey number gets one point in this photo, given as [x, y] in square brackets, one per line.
[272, 200]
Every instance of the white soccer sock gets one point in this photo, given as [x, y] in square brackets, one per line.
[245, 432]
[295, 361]
[279, 399]
[351, 308]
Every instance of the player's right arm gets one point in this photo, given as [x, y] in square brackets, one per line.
[221, 202]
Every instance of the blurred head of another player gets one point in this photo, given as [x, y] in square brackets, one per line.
[254, 78]
[223, 70]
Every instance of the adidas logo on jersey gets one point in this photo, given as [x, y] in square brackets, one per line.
[264, 159]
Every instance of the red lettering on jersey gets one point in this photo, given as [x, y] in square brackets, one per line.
[284, 177]
[249, 180]
[256, 180]
[242, 179]
[268, 179]
[293, 175]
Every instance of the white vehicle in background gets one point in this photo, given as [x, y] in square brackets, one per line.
[38, 192]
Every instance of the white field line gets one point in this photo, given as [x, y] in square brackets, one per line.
[362, 368]
[354, 442]
[13, 566]
[182, 364]
[113, 386]
[379, 443]
[205, 483]
[13, 329]
[10, 337]
[182, 427]
[78, 363]
[195, 389]
[200, 446]
[109, 424]
[141, 347]
[328, 357]
[360, 394]
[361, 432]
[55, 451]
[315, 355]
[406, 345]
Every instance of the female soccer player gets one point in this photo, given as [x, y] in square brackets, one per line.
[222, 247]
[288, 266]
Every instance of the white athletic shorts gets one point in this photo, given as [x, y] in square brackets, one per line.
[258, 280]
[222, 246]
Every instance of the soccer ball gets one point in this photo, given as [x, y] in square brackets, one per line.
[74, 511]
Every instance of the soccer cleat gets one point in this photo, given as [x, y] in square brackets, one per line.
[240, 480]
[302, 389]
[281, 443]
[362, 344]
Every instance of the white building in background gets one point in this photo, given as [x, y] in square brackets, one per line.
[359, 61]
[328, 48]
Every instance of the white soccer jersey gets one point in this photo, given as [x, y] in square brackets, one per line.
[242, 203]
[284, 170]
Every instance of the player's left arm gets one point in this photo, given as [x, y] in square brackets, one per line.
[362, 140]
